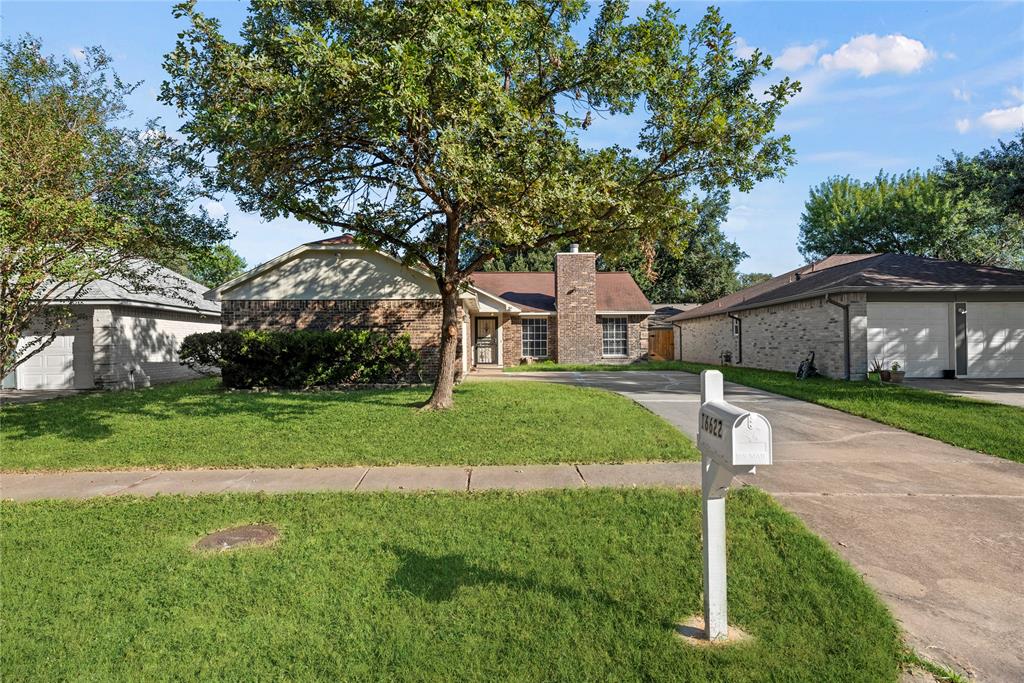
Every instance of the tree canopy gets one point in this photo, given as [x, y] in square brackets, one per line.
[82, 198]
[965, 209]
[212, 266]
[449, 133]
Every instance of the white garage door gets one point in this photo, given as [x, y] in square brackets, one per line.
[915, 335]
[51, 368]
[995, 339]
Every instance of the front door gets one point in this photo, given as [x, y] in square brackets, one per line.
[486, 341]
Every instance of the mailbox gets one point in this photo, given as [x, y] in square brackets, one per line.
[732, 442]
[734, 437]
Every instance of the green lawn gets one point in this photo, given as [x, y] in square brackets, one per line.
[197, 424]
[554, 586]
[980, 426]
[550, 366]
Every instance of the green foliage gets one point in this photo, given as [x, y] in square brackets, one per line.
[744, 280]
[451, 133]
[302, 359]
[82, 198]
[213, 266]
[496, 423]
[702, 270]
[967, 209]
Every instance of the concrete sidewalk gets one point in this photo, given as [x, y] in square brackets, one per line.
[31, 486]
[938, 531]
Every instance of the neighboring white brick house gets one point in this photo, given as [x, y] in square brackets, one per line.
[121, 339]
[930, 316]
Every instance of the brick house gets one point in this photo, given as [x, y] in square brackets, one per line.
[573, 314]
[929, 315]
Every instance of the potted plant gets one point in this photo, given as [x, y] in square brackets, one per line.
[897, 374]
[877, 369]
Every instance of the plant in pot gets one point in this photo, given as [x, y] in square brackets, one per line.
[897, 373]
[877, 369]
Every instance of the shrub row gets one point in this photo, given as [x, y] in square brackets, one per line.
[302, 359]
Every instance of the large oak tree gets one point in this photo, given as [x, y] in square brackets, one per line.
[448, 132]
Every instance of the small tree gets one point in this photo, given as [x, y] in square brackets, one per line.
[81, 199]
[212, 266]
[449, 133]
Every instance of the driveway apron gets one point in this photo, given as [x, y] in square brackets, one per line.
[938, 531]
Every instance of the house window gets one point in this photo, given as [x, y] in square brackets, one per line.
[535, 337]
[614, 337]
[735, 327]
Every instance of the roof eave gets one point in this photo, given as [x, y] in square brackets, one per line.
[994, 289]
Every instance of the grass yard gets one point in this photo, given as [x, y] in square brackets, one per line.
[198, 424]
[980, 426]
[554, 586]
[551, 366]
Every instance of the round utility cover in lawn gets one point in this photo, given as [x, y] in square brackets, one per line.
[238, 537]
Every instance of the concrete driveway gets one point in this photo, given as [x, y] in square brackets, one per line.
[938, 531]
[1008, 391]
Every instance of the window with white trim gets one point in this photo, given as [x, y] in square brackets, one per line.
[614, 337]
[535, 337]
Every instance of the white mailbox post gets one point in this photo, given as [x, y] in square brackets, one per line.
[732, 441]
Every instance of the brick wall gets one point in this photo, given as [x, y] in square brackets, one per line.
[419, 318]
[779, 337]
[512, 340]
[579, 332]
[637, 339]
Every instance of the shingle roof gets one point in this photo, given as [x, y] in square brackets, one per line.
[171, 290]
[535, 292]
[863, 272]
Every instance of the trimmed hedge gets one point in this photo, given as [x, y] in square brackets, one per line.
[303, 359]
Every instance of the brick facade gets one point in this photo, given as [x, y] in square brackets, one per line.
[779, 337]
[512, 339]
[419, 318]
[579, 338]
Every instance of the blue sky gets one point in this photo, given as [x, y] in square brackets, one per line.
[887, 86]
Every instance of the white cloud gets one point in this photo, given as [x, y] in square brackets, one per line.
[1016, 93]
[743, 48]
[962, 94]
[871, 54]
[77, 53]
[1001, 120]
[798, 56]
[214, 208]
[963, 125]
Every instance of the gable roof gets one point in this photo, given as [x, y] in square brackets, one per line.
[338, 243]
[864, 272]
[171, 290]
[534, 292]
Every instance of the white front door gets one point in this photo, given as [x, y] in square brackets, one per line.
[915, 335]
[995, 339]
[51, 368]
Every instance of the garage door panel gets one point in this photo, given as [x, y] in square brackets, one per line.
[995, 339]
[915, 335]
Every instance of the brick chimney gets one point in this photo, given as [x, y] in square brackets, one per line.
[579, 336]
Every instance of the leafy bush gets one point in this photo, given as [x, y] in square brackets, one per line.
[302, 359]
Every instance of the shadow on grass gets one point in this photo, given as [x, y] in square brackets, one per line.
[93, 416]
[437, 578]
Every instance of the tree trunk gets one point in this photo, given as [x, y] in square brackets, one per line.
[451, 323]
